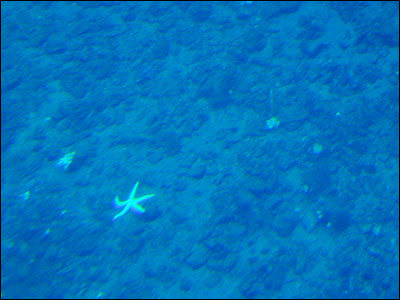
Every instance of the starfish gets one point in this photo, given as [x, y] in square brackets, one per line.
[132, 202]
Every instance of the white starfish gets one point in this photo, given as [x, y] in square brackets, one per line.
[132, 202]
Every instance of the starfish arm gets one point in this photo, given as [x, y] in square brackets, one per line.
[126, 208]
[143, 198]
[119, 203]
[133, 193]
[137, 208]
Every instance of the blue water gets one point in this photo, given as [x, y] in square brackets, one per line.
[268, 132]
